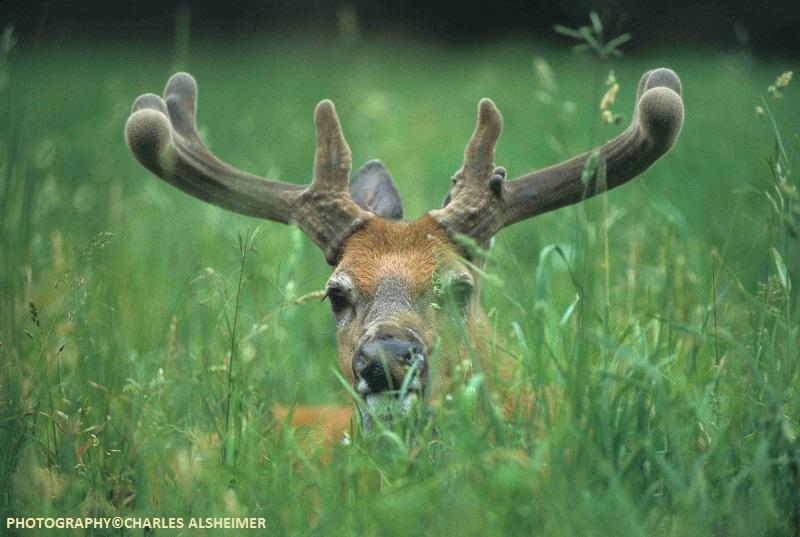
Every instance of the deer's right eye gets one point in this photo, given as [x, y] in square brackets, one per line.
[339, 299]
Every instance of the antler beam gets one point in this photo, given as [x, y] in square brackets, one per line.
[162, 135]
[480, 207]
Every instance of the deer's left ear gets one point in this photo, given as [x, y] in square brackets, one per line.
[372, 189]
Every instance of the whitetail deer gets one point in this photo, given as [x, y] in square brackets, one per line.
[382, 288]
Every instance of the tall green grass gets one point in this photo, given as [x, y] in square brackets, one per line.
[656, 326]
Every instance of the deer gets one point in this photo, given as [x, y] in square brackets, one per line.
[389, 272]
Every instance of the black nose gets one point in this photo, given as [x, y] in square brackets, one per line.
[382, 365]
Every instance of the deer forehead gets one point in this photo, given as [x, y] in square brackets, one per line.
[389, 250]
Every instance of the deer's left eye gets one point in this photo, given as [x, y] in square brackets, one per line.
[461, 291]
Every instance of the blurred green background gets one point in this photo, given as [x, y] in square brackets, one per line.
[677, 370]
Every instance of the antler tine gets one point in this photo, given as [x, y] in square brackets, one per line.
[656, 123]
[180, 96]
[328, 196]
[468, 209]
[479, 153]
[162, 135]
[333, 160]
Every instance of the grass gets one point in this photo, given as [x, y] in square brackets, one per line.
[659, 320]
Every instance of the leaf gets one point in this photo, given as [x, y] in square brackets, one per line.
[783, 273]
[597, 24]
[789, 432]
[590, 167]
[617, 41]
[523, 344]
[539, 277]
[773, 202]
[570, 309]
[588, 36]
[569, 32]
[9, 39]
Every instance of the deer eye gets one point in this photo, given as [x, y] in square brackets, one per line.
[339, 299]
[461, 290]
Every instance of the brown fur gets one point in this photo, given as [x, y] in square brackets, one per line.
[408, 250]
[327, 424]
[409, 253]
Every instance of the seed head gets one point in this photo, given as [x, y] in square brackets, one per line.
[34, 312]
[609, 97]
[780, 83]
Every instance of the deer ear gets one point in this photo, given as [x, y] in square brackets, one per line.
[372, 189]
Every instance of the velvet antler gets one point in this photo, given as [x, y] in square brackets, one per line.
[162, 135]
[482, 203]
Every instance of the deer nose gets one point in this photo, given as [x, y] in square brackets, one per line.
[382, 365]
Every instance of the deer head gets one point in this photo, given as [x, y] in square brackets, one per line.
[388, 273]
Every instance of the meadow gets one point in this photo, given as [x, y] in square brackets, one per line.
[141, 345]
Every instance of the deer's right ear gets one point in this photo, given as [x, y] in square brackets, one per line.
[372, 189]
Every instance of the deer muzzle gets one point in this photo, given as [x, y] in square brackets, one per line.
[390, 375]
[390, 365]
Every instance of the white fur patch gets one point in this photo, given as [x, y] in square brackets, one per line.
[362, 387]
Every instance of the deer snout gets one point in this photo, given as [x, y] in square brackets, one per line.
[383, 365]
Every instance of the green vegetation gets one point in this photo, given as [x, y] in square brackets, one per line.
[657, 326]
